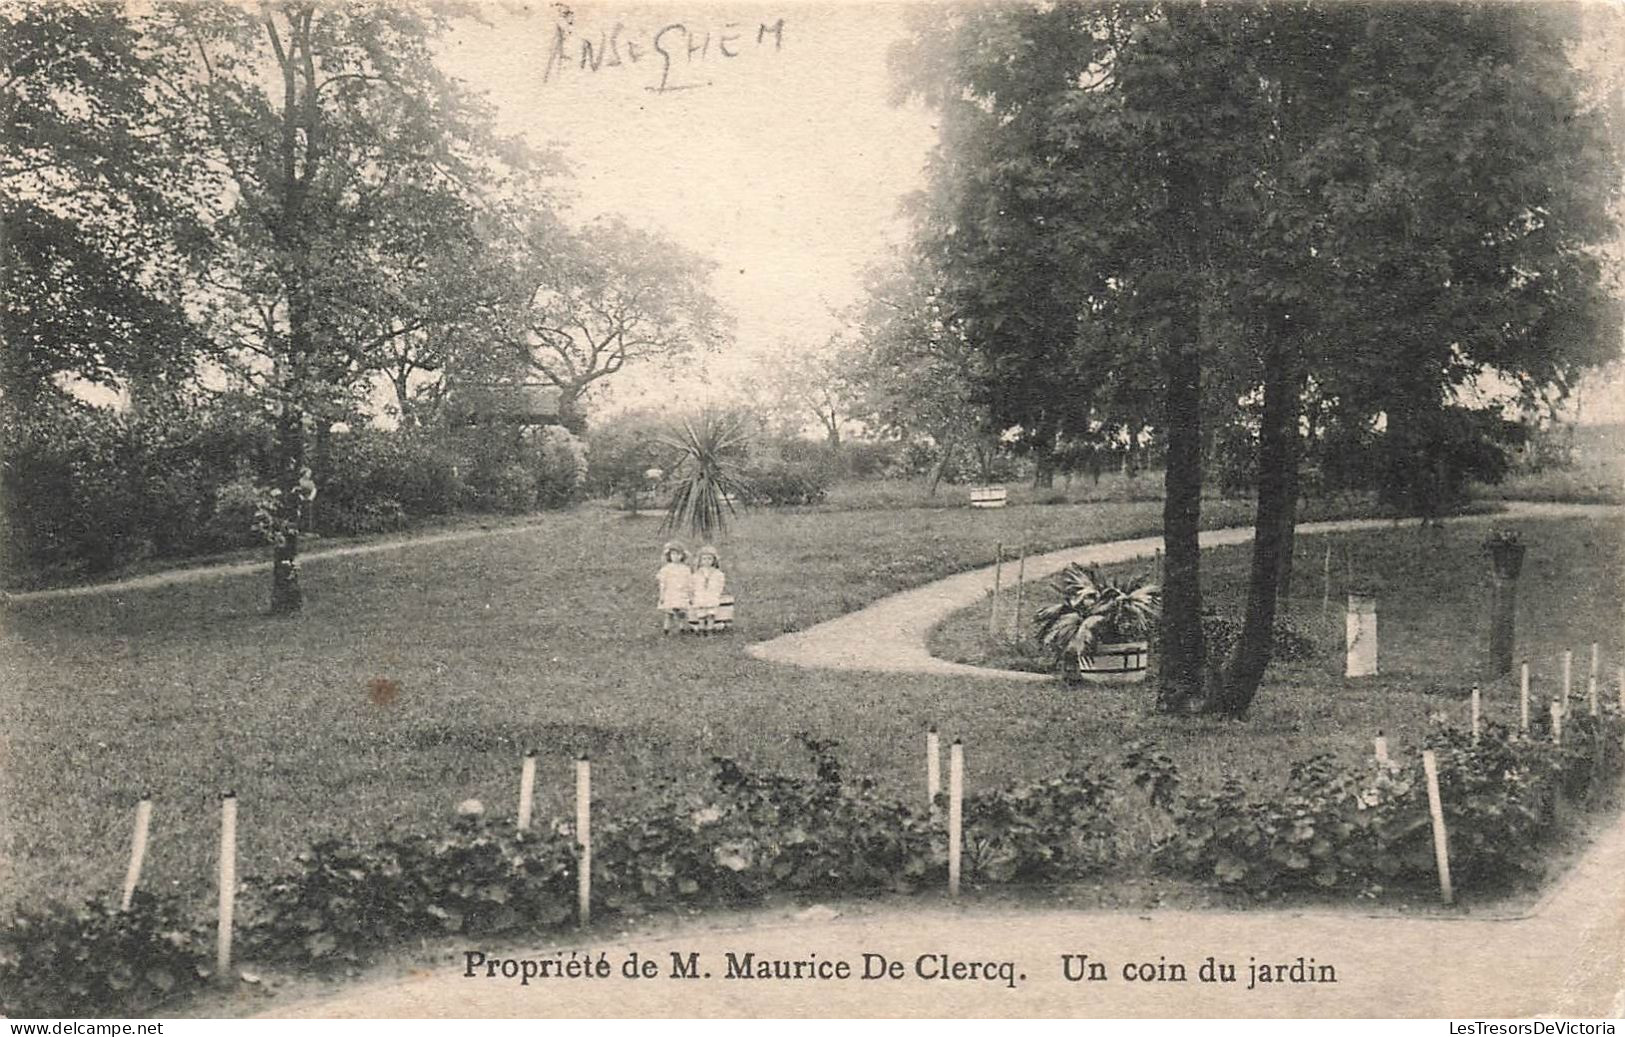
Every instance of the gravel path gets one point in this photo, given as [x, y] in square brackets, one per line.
[890, 635]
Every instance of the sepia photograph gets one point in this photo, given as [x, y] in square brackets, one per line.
[1028, 509]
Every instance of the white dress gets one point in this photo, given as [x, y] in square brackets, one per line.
[675, 580]
[707, 590]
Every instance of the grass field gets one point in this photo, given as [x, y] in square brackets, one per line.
[545, 637]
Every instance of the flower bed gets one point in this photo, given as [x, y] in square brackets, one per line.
[1359, 827]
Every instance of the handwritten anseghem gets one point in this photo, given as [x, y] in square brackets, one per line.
[674, 46]
[1079, 508]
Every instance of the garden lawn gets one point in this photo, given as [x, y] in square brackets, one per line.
[415, 679]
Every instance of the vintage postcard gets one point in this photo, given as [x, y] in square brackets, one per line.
[838, 510]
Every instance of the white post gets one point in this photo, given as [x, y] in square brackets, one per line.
[1021, 593]
[998, 574]
[1523, 698]
[1568, 679]
[1379, 746]
[1441, 839]
[956, 796]
[1476, 712]
[1591, 695]
[584, 841]
[1362, 636]
[1557, 722]
[138, 850]
[1326, 589]
[933, 768]
[1622, 691]
[1596, 660]
[527, 789]
[228, 885]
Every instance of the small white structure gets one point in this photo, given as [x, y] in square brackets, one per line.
[1362, 636]
[988, 497]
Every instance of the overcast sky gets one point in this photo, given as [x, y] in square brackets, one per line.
[772, 149]
[783, 162]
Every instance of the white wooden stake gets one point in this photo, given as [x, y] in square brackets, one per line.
[1523, 698]
[956, 796]
[1441, 839]
[1326, 588]
[1379, 746]
[1476, 712]
[1595, 661]
[1557, 722]
[998, 574]
[1568, 679]
[1591, 695]
[138, 850]
[228, 885]
[584, 841]
[933, 768]
[1622, 690]
[527, 789]
[1021, 593]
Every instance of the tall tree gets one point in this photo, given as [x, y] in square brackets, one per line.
[587, 303]
[318, 117]
[98, 181]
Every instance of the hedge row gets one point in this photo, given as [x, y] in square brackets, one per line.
[1358, 826]
[85, 491]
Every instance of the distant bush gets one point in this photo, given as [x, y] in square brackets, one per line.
[560, 462]
[774, 485]
[378, 480]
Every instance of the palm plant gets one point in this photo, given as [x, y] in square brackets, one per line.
[707, 474]
[1096, 610]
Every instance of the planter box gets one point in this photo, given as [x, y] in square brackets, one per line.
[988, 496]
[1123, 663]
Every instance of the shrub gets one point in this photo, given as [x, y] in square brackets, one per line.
[242, 508]
[98, 960]
[1290, 643]
[378, 480]
[560, 461]
[775, 485]
[508, 488]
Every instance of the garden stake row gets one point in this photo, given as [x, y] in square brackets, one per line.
[138, 850]
[1441, 839]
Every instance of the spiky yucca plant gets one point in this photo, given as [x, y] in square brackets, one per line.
[707, 472]
[1096, 610]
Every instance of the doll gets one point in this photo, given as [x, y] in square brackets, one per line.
[707, 586]
[674, 579]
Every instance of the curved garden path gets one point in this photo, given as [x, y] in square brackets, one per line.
[890, 635]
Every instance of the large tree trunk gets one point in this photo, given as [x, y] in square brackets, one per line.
[1182, 651]
[286, 594]
[1245, 669]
